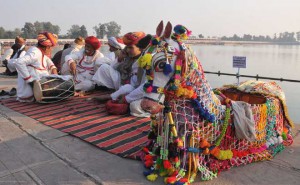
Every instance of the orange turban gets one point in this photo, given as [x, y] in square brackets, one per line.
[47, 39]
[132, 38]
[20, 40]
[94, 41]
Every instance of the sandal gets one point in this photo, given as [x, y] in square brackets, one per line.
[13, 92]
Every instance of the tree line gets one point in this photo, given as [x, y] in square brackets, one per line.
[281, 37]
[30, 30]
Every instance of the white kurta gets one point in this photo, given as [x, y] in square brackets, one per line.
[84, 69]
[32, 66]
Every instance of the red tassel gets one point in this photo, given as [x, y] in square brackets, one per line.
[149, 89]
[148, 157]
[167, 164]
[183, 180]
[146, 150]
[174, 174]
[148, 163]
[170, 180]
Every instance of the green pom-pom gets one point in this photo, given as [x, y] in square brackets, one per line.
[284, 136]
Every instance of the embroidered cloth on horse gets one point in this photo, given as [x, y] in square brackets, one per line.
[265, 89]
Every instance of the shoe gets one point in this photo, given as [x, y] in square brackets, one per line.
[4, 93]
[13, 92]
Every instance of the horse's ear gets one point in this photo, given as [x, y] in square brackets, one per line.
[168, 30]
[159, 29]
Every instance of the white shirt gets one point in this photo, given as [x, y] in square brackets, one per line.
[33, 65]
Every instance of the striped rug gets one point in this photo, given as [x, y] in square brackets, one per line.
[123, 135]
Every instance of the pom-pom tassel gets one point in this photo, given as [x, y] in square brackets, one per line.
[167, 69]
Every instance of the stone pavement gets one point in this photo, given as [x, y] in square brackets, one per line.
[32, 153]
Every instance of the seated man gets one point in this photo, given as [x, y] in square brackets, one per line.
[126, 78]
[81, 64]
[75, 47]
[35, 64]
[18, 51]
[116, 46]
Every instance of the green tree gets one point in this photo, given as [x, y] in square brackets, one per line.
[107, 29]
[2, 33]
[74, 31]
[298, 36]
[29, 31]
[100, 30]
[200, 36]
[83, 31]
[113, 29]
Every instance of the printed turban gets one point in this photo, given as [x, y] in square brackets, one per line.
[96, 44]
[47, 39]
[116, 42]
[132, 38]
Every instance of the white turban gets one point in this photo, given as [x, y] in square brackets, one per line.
[116, 43]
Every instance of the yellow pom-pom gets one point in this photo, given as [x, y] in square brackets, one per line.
[225, 154]
[152, 177]
[179, 92]
[145, 60]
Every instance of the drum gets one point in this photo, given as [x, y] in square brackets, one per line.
[51, 89]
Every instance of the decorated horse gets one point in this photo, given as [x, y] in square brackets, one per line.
[197, 130]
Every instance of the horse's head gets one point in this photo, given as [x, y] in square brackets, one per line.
[159, 61]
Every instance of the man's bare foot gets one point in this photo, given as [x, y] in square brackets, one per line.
[101, 98]
[79, 94]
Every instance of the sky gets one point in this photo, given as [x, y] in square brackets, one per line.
[207, 17]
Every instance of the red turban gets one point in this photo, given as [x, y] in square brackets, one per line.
[132, 38]
[93, 41]
[47, 39]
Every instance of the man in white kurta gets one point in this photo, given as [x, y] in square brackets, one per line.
[20, 52]
[35, 64]
[126, 77]
[81, 64]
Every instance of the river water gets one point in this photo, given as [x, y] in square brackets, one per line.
[277, 61]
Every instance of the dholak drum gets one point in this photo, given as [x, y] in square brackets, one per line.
[51, 89]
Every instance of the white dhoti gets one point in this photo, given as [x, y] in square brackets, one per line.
[24, 91]
[11, 65]
[135, 98]
[83, 81]
[108, 77]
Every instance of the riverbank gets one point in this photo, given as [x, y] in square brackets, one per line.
[9, 42]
